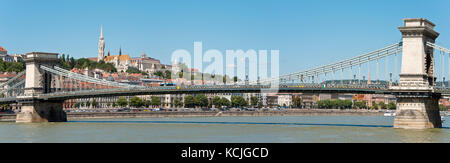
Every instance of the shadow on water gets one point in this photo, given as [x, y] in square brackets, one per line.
[235, 123]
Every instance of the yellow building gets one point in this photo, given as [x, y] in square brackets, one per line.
[121, 62]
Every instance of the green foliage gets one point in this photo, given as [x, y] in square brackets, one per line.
[225, 102]
[216, 101]
[254, 100]
[392, 106]
[11, 66]
[167, 74]
[442, 107]
[146, 103]
[238, 101]
[82, 63]
[155, 101]
[297, 102]
[201, 100]
[159, 73]
[177, 103]
[122, 101]
[361, 104]
[94, 103]
[189, 101]
[382, 105]
[133, 70]
[136, 102]
[335, 104]
[374, 105]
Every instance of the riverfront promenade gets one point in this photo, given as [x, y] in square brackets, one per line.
[159, 114]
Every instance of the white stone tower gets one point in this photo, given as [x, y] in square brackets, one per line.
[101, 46]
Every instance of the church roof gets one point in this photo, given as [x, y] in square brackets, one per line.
[3, 49]
[123, 57]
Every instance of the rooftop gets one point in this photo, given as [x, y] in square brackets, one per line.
[2, 49]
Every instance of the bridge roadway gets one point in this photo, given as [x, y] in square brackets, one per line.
[91, 93]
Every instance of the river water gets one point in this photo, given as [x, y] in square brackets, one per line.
[276, 129]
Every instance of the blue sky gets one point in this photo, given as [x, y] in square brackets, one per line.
[308, 33]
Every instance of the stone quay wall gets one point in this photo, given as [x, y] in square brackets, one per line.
[157, 114]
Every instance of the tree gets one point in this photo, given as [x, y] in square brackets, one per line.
[392, 106]
[225, 102]
[132, 70]
[147, 103]
[155, 101]
[159, 73]
[94, 103]
[216, 101]
[77, 105]
[224, 79]
[201, 100]
[122, 101]
[442, 107]
[297, 102]
[238, 101]
[382, 105]
[136, 102]
[12, 66]
[361, 104]
[177, 103]
[254, 101]
[348, 104]
[325, 104]
[88, 104]
[167, 74]
[189, 101]
[374, 105]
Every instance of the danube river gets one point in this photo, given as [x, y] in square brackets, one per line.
[275, 129]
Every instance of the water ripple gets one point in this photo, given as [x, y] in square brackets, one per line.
[236, 123]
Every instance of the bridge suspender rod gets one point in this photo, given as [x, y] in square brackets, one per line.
[93, 80]
[395, 64]
[82, 77]
[12, 79]
[345, 63]
[58, 73]
[97, 80]
[386, 71]
[441, 56]
[13, 87]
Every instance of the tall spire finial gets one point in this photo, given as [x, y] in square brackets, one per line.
[101, 31]
[143, 54]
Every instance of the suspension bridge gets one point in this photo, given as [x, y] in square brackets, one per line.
[410, 70]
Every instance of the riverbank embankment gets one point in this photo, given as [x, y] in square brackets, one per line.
[156, 114]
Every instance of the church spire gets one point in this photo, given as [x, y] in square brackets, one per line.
[101, 46]
[120, 51]
[101, 31]
[144, 55]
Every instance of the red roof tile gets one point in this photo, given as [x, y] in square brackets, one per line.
[3, 49]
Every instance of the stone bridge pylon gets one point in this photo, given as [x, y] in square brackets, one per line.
[38, 82]
[417, 103]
